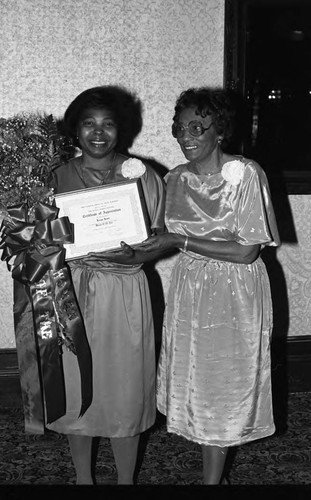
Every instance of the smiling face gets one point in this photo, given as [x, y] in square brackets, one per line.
[97, 132]
[197, 148]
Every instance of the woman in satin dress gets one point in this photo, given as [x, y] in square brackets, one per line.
[113, 295]
[214, 381]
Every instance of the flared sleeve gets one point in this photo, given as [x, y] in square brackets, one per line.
[256, 222]
[154, 192]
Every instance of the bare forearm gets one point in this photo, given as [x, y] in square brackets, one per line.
[229, 251]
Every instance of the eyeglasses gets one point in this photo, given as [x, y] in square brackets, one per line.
[195, 129]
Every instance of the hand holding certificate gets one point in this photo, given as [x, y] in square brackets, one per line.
[104, 216]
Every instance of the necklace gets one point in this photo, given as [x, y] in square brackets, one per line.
[93, 177]
[196, 170]
[212, 173]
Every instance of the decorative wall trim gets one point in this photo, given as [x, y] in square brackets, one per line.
[291, 365]
[299, 363]
[10, 391]
[291, 370]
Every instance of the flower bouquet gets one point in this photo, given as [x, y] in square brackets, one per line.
[46, 315]
[31, 146]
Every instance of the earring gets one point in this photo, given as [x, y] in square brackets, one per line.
[220, 140]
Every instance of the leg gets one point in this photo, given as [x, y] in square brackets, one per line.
[214, 459]
[125, 455]
[81, 451]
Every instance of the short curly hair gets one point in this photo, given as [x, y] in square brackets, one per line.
[216, 102]
[124, 105]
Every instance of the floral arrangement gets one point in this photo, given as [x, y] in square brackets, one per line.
[233, 171]
[31, 146]
[133, 168]
[32, 241]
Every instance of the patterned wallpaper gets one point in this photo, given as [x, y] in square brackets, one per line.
[51, 50]
[293, 273]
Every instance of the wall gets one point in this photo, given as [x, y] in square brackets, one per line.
[51, 50]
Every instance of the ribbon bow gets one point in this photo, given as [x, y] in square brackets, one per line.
[37, 246]
[34, 253]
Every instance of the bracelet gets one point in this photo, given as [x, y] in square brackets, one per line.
[186, 244]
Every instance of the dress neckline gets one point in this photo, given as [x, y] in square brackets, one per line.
[96, 177]
[196, 172]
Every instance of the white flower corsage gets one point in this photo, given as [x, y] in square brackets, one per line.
[132, 168]
[233, 171]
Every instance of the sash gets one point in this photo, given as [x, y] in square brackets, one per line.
[35, 256]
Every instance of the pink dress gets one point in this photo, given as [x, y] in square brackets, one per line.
[214, 382]
[115, 304]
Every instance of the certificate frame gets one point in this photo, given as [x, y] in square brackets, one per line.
[103, 216]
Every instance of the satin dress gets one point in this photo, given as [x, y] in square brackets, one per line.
[214, 380]
[115, 304]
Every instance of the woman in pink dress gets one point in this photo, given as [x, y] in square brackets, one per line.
[113, 295]
[214, 381]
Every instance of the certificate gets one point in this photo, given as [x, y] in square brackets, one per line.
[104, 216]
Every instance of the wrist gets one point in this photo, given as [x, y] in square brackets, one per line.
[182, 242]
[185, 245]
